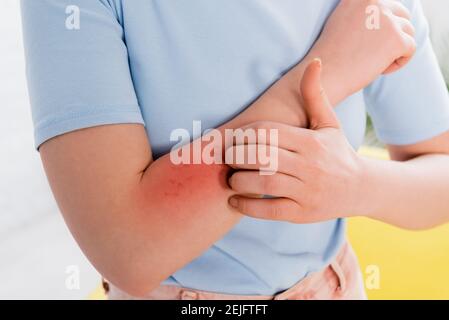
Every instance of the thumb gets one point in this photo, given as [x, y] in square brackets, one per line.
[316, 104]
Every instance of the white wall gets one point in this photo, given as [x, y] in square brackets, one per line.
[35, 246]
[437, 12]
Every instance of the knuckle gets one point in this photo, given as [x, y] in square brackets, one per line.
[409, 28]
[408, 45]
[243, 205]
[262, 125]
[405, 12]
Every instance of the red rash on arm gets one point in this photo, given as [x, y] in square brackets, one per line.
[192, 185]
[189, 198]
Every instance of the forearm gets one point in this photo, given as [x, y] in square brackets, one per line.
[137, 223]
[180, 211]
[411, 194]
[283, 102]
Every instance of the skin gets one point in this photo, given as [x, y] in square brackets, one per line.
[140, 220]
[315, 166]
[321, 177]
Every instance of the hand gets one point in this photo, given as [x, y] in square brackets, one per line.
[319, 174]
[353, 56]
[351, 50]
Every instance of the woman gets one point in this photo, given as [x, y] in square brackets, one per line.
[143, 221]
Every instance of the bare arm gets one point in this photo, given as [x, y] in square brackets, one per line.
[140, 220]
[415, 184]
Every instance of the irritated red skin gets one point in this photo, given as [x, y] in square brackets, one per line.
[184, 184]
[189, 186]
[175, 204]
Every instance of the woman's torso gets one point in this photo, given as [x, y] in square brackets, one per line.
[208, 60]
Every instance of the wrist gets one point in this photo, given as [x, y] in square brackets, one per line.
[285, 97]
[334, 81]
[286, 91]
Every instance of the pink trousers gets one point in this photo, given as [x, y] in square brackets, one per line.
[340, 280]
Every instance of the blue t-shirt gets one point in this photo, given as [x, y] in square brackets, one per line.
[166, 63]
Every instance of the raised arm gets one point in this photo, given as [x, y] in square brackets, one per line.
[140, 220]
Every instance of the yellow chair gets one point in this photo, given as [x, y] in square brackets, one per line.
[410, 265]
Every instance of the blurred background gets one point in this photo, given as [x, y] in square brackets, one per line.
[40, 260]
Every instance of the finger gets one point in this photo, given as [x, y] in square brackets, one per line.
[410, 45]
[275, 134]
[400, 10]
[407, 27]
[401, 62]
[316, 104]
[279, 209]
[256, 157]
[276, 185]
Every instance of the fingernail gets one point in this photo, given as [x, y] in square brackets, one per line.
[318, 61]
[234, 202]
[230, 181]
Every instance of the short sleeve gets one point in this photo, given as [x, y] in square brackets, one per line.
[411, 105]
[77, 67]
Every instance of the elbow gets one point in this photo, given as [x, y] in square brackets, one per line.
[135, 284]
[136, 275]
[138, 289]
